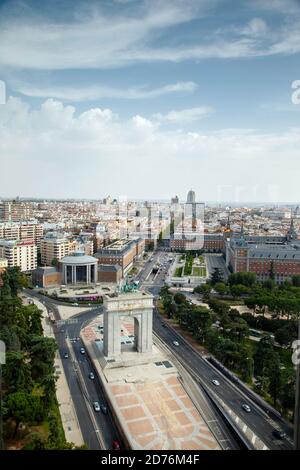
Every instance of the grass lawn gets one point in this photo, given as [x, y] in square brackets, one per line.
[201, 259]
[178, 272]
[199, 272]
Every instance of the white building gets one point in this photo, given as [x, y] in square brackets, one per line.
[29, 230]
[19, 253]
[54, 246]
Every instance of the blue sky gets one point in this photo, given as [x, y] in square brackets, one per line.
[189, 93]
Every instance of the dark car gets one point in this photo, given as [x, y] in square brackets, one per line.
[66, 355]
[279, 434]
[116, 445]
[104, 409]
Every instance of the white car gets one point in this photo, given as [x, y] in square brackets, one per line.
[246, 408]
[175, 343]
[215, 382]
[96, 406]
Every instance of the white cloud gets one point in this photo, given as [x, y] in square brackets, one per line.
[184, 115]
[56, 152]
[96, 41]
[256, 27]
[102, 41]
[95, 92]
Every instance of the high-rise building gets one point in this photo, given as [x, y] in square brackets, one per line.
[22, 254]
[175, 200]
[15, 210]
[191, 196]
[54, 247]
[24, 231]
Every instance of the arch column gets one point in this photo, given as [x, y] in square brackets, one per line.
[65, 278]
[138, 305]
[95, 273]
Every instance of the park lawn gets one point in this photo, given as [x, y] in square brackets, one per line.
[201, 259]
[178, 272]
[199, 272]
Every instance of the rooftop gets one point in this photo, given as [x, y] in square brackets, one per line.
[78, 257]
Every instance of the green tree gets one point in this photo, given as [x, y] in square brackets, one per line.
[216, 276]
[271, 273]
[247, 279]
[221, 288]
[296, 281]
[179, 298]
[24, 407]
[17, 372]
[287, 334]
[42, 353]
[202, 289]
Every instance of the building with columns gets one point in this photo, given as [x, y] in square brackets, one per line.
[79, 268]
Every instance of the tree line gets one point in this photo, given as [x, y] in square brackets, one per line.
[28, 385]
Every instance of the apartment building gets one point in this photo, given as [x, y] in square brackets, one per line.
[22, 254]
[122, 252]
[54, 247]
[15, 210]
[82, 244]
[24, 231]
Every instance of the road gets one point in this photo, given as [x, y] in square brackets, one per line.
[216, 261]
[84, 391]
[258, 421]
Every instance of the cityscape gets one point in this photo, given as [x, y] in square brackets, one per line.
[149, 228]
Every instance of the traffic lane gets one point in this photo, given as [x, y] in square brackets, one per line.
[94, 388]
[255, 420]
[216, 261]
[86, 425]
[200, 366]
[96, 393]
[211, 373]
[148, 268]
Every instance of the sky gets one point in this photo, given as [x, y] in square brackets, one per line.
[146, 99]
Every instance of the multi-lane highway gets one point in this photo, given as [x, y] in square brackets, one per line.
[257, 420]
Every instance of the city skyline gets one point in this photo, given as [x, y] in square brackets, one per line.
[173, 94]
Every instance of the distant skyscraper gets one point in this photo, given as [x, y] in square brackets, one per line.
[175, 200]
[191, 197]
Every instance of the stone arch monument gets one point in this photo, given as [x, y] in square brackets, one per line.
[137, 304]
